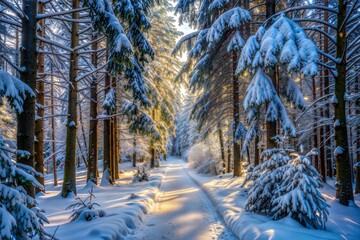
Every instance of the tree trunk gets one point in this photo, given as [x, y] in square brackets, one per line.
[257, 151]
[85, 148]
[69, 183]
[107, 139]
[80, 155]
[152, 154]
[322, 160]
[112, 149]
[343, 168]
[322, 131]
[134, 153]
[236, 116]
[327, 142]
[17, 51]
[271, 127]
[357, 179]
[53, 127]
[222, 150]
[93, 131]
[40, 98]
[315, 134]
[152, 146]
[116, 139]
[228, 157]
[26, 119]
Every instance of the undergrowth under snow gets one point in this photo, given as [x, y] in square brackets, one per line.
[125, 206]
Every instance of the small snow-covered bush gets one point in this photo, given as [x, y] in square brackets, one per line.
[298, 196]
[85, 209]
[141, 175]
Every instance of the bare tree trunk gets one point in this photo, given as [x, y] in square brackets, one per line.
[315, 134]
[112, 149]
[357, 179]
[40, 98]
[17, 51]
[257, 151]
[222, 150]
[343, 168]
[82, 129]
[327, 143]
[322, 160]
[93, 131]
[69, 183]
[248, 155]
[152, 146]
[107, 139]
[228, 157]
[53, 127]
[116, 143]
[26, 119]
[236, 116]
[80, 156]
[134, 153]
[322, 133]
[152, 154]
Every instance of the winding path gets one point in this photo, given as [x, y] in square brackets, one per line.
[183, 210]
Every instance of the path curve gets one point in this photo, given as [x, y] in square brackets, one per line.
[183, 210]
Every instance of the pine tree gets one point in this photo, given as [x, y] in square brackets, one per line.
[19, 214]
[298, 197]
[160, 74]
[212, 62]
[283, 45]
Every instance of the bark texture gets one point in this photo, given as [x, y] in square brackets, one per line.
[93, 132]
[69, 183]
[40, 99]
[26, 119]
[343, 167]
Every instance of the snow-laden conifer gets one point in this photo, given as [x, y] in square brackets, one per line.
[261, 91]
[267, 179]
[285, 44]
[298, 195]
[120, 49]
[19, 214]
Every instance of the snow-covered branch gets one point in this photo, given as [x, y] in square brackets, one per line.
[14, 9]
[50, 15]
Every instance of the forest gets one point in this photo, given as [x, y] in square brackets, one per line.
[179, 119]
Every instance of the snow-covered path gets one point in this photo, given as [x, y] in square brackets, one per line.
[183, 210]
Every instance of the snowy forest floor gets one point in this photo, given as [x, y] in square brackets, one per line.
[125, 206]
[229, 199]
[182, 205]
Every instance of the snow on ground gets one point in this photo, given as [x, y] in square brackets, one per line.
[122, 213]
[229, 199]
[183, 210]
